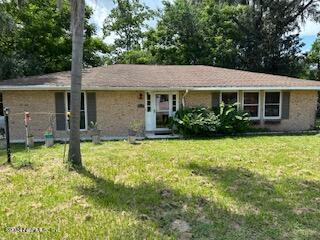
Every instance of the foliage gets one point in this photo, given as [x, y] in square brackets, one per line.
[177, 39]
[194, 121]
[40, 39]
[260, 36]
[135, 57]
[231, 119]
[269, 40]
[201, 121]
[313, 59]
[127, 20]
[93, 125]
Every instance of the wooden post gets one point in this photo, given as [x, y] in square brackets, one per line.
[6, 118]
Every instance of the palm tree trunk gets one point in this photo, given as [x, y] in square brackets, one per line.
[77, 25]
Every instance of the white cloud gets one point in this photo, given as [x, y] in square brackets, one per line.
[100, 12]
[310, 28]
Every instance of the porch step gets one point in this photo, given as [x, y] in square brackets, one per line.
[152, 135]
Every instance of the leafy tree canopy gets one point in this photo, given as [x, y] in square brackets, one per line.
[40, 39]
[127, 21]
[313, 59]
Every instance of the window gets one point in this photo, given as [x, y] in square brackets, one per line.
[174, 103]
[83, 118]
[148, 102]
[272, 104]
[1, 105]
[251, 104]
[229, 97]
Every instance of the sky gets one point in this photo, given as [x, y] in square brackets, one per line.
[101, 8]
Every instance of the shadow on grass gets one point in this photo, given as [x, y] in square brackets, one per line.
[265, 212]
[285, 206]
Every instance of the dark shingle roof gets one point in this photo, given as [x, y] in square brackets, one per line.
[162, 76]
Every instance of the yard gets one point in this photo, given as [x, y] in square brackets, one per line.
[264, 187]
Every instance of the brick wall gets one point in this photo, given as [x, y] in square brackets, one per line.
[116, 109]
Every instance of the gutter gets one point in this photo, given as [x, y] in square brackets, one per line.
[183, 98]
[84, 88]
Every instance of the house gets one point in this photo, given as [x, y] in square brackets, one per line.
[115, 95]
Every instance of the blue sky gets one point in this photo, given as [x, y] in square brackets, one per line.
[102, 8]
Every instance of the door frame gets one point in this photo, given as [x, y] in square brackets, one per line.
[150, 117]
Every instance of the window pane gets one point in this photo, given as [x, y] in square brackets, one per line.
[252, 110]
[1, 105]
[82, 120]
[162, 119]
[230, 97]
[272, 110]
[272, 97]
[162, 101]
[82, 101]
[251, 98]
[68, 95]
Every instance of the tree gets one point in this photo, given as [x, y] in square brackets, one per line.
[269, 42]
[138, 56]
[42, 41]
[177, 38]
[127, 21]
[221, 34]
[77, 28]
[313, 59]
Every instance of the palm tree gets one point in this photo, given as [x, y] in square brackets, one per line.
[77, 27]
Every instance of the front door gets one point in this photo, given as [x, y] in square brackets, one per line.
[162, 110]
[159, 107]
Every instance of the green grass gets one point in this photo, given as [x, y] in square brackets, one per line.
[263, 187]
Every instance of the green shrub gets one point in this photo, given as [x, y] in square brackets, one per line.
[202, 121]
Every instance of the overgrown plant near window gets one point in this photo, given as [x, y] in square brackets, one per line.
[200, 121]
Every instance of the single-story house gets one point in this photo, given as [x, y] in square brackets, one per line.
[115, 95]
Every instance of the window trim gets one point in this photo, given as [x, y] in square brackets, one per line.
[230, 91]
[264, 106]
[259, 107]
[85, 110]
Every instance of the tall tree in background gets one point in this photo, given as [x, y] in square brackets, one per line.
[127, 22]
[177, 38]
[8, 60]
[221, 34]
[269, 42]
[313, 59]
[77, 28]
[40, 39]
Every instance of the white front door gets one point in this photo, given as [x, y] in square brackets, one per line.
[159, 107]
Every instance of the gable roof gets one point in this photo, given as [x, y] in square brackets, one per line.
[140, 77]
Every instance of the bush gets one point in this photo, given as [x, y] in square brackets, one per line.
[200, 121]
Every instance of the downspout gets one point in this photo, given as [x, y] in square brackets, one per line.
[183, 98]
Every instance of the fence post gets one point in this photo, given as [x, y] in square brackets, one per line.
[6, 119]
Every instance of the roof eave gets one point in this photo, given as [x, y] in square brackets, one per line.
[97, 88]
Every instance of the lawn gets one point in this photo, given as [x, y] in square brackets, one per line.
[264, 187]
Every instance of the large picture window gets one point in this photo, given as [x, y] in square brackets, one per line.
[83, 120]
[251, 104]
[272, 104]
[229, 97]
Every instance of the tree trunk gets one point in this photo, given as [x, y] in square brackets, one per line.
[77, 25]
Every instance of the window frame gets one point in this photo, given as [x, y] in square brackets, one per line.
[243, 104]
[230, 91]
[264, 106]
[85, 110]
